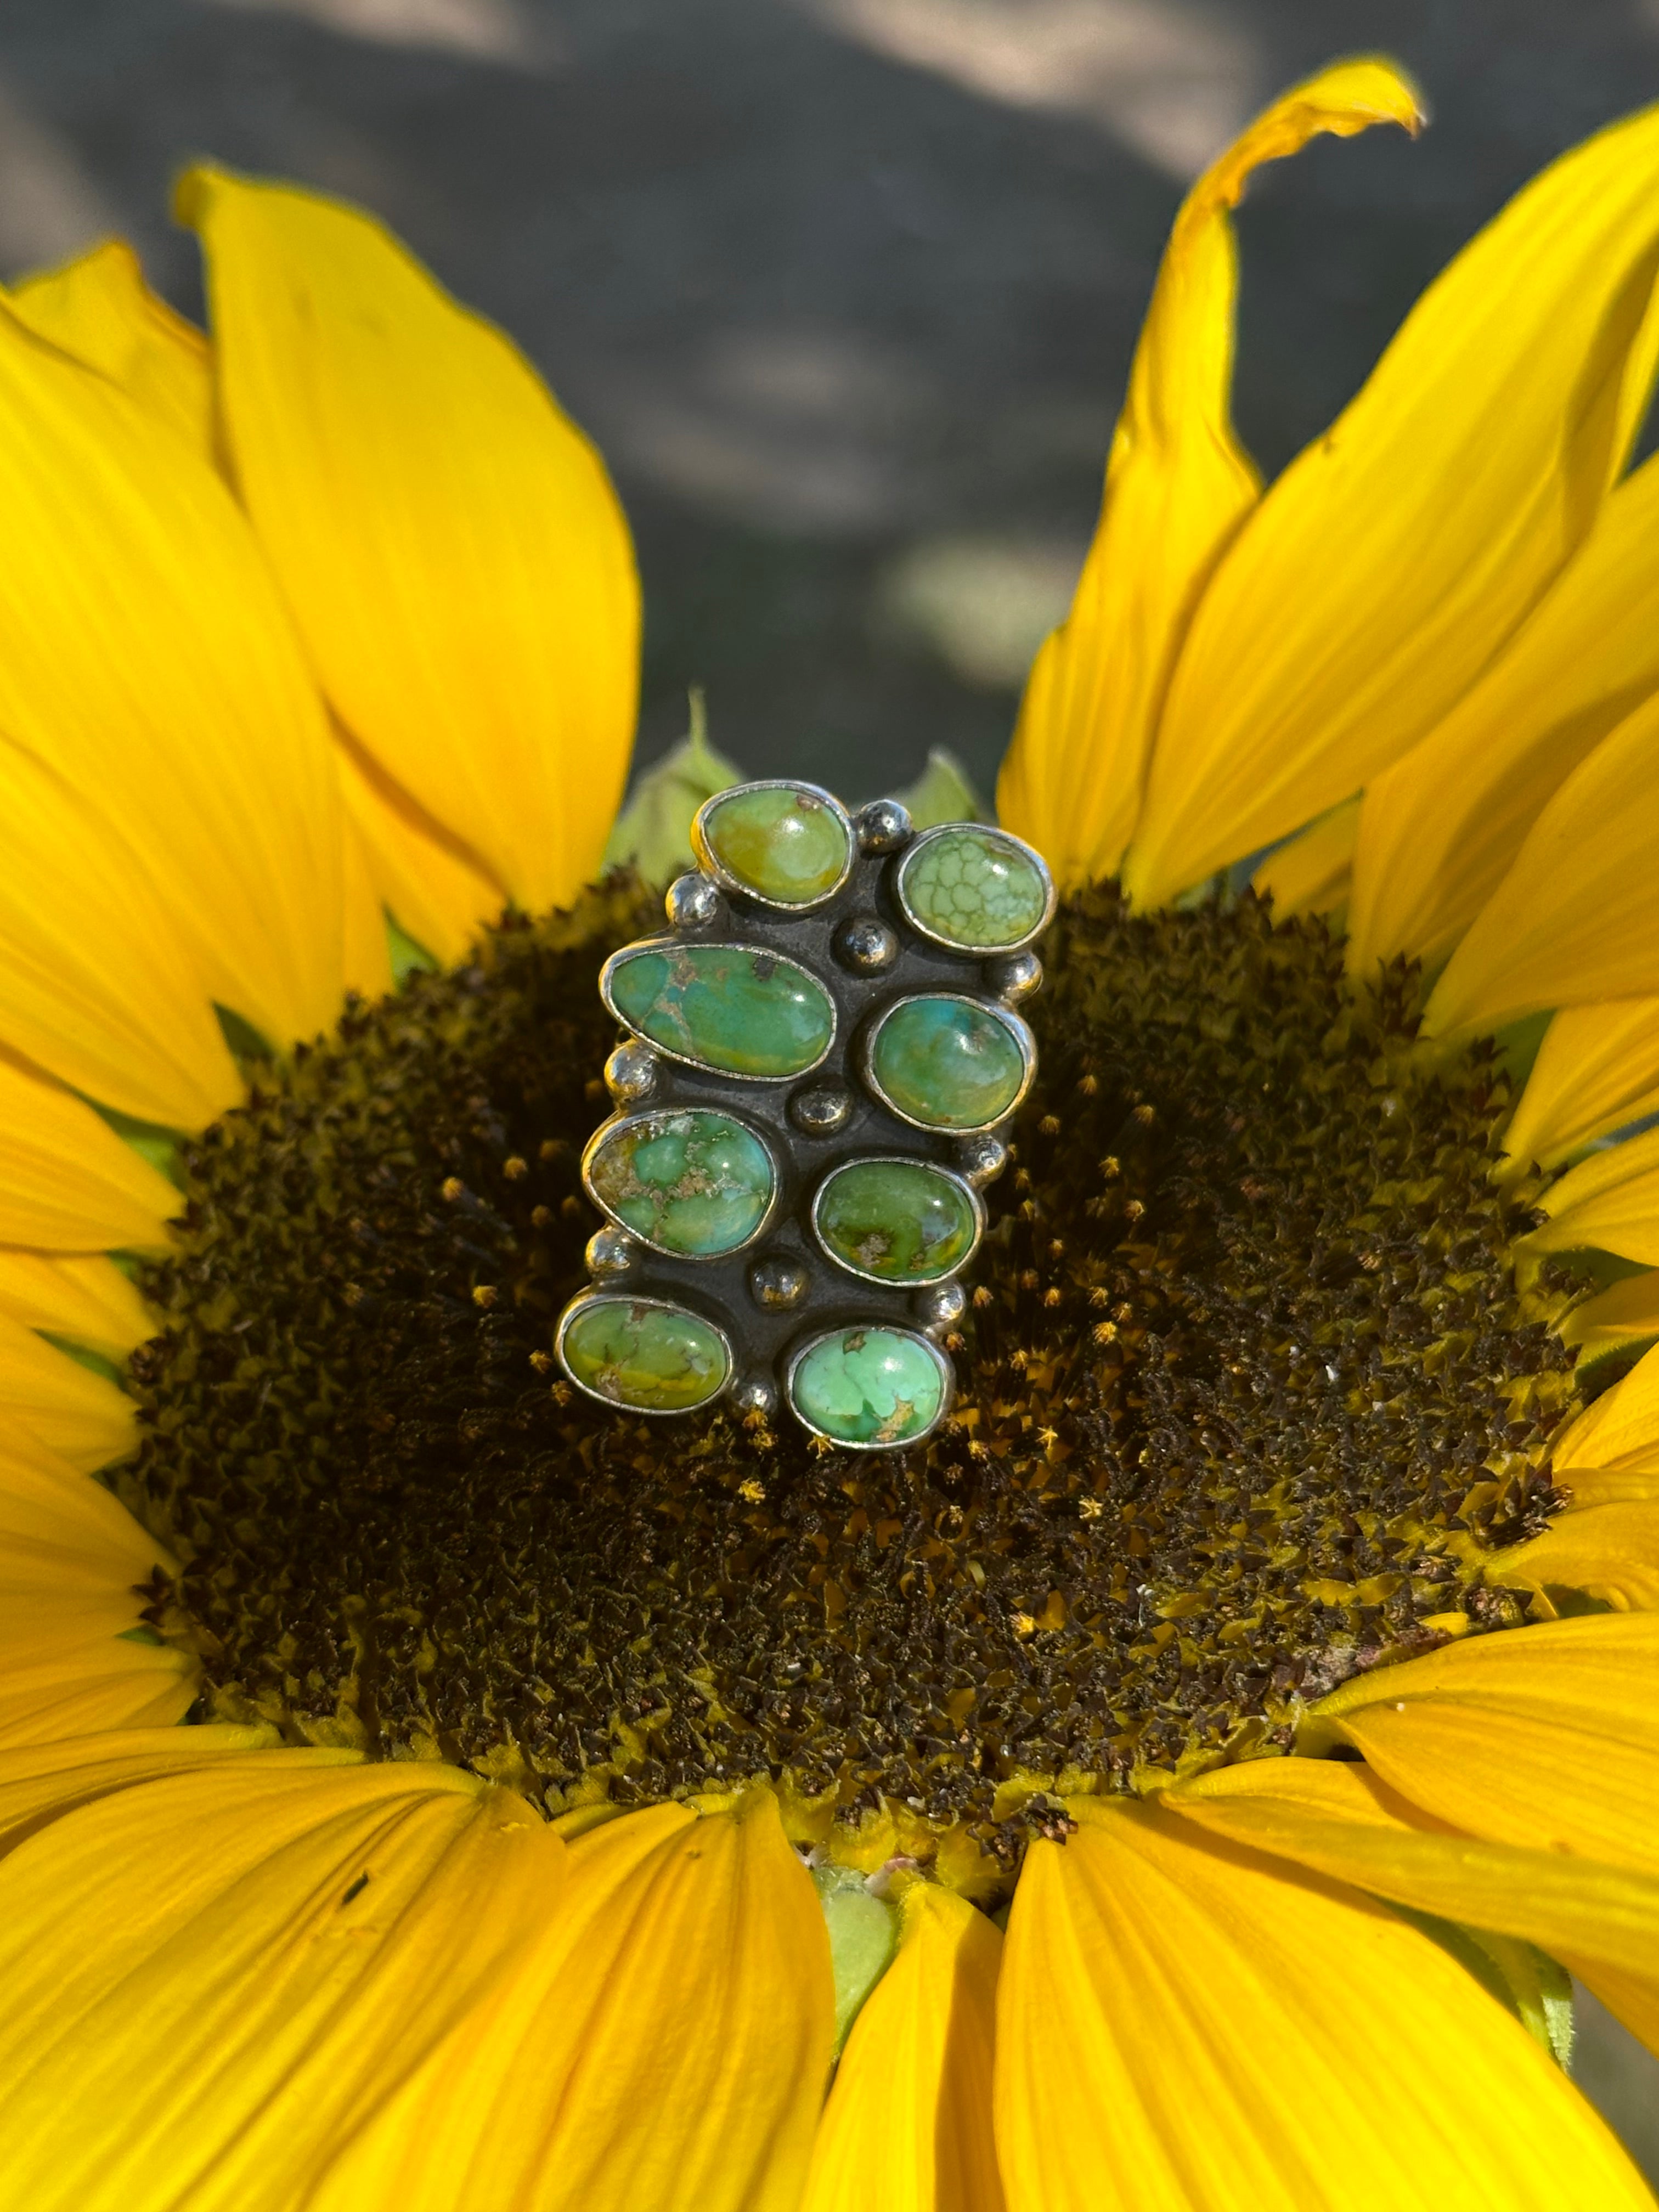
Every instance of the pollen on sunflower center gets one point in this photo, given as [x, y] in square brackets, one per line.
[1251, 1387]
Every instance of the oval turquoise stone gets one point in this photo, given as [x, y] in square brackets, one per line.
[947, 1063]
[869, 1386]
[652, 1359]
[972, 887]
[726, 1006]
[900, 1221]
[787, 844]
[692, 1181]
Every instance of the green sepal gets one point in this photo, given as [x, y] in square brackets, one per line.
[407, 956]
[863, 1938]
[653, 833]
[942, 792]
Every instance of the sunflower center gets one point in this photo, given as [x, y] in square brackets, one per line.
[1250, 1388]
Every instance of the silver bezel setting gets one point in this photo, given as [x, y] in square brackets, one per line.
[940, 1359]
[919, 844]
[993, 1011]
[609, 1129]
[899, 1160]
[711, 864]
[673, 945]
[588, 1299]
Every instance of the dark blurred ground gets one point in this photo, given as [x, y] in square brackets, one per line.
[845, 289]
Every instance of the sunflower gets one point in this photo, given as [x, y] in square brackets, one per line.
[1181, 1783]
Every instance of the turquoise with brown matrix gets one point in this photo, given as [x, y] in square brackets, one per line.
[781, 842]
[734, 1007]
[899, 1221]
[692, 1181]
[869, 1387]
[948, 1063]
[649, 1357]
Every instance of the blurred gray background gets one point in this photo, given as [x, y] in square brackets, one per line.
[846, 289]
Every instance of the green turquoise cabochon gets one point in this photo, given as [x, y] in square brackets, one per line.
[870, 1388]
[897, 1220]
[643, 1353]
[688, 1180]
[943, 1062]
[737, 1008]
[785, 843]
[979, 889]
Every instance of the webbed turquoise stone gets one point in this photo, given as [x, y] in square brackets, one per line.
[869, 1386]
[785, 843]
[651, 1359]
[948, 1063]
[728, 1007]
[900, 1221]
[973, 887]
[691, 1180]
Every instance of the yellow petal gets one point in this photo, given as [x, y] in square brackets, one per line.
[44, 1501]
[908, 2127]
[667, 2045]
[217, 1977]
[98, 308]
[366, 952]
[96, 982]
[43, 1781]
[1182, 2023]
[67, 1181]
[434, 894]
[1402, 549]
[87, 1301]
[146, 659]
[1312, 874]
[1597, 1068]
[1609, 1203]
[1443, 825]
[1610, 1551]
[1178, 484]
[1619, 1429]
[1623, 1315]
[60, 1403]
[1339, 1820]
[1545, 1737]
[1576, 918]
[448, 541]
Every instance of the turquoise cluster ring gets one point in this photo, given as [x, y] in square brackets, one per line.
[818, 1062]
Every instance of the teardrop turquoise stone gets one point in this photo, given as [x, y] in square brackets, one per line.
[947, 1063]
[869, 1386]
[900, 1221]
[652, 1359]
[786, 842]
[726, 1006]
[973, 887]
[692, 1181]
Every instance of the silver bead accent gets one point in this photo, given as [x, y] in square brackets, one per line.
[883, 826]
[1017, 976]
[611, 1252]
[940, 1307]
[777, 1284]
[631, 1073]
[822, 1111]
[757, 1395]
[981, 1160]
[693, 901]
[865, 944]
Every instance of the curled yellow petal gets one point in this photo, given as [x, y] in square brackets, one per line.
[1441, 826]
[60, 1403]
[1178, 484]
[1611, 1551]
[1608, 1203]
[1619, 1429]
[84, 1300]
[1313, 872]
[1623, 1315]
[1597, 1068]
[448, 541]
[1545, 1737]
[912, 2096]
[98, 308]
[1181, 2022]
[1576, 918]
[67, 1181]
[1359, 601]
[436, 895]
